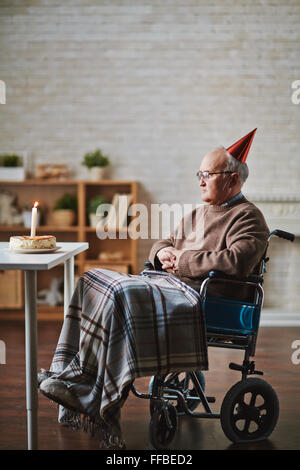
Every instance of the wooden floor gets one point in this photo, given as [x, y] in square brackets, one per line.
[273, 356]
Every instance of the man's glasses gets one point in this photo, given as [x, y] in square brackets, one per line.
[206, 174]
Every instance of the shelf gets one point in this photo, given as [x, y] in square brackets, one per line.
[44, 312]
[108, 183]
[37, 181]
[41, 182]
[118, 230]
[47, 191]
[49, 308]
[42, 228]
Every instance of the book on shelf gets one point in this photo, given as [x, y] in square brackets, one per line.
[117, 216]
[110, 221]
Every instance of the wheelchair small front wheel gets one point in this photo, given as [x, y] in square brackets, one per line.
[249, 411]
[163, 425]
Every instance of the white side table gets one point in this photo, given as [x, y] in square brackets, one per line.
[30, 264]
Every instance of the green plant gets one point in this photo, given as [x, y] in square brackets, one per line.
[95, 202]
[96, 158]
[11, 160]
[67, 201]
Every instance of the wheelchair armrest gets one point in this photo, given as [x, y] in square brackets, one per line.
[251, 278]
[149, 265]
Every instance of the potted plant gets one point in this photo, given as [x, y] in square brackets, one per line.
[92, 206]
[65, 210]
[12, 167]
[96, 162]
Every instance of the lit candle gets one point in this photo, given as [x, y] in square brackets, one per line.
[33, 219]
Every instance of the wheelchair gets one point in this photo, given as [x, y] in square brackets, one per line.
[229, 324]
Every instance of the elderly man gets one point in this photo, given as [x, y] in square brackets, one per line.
[234, 231]
[122, 326]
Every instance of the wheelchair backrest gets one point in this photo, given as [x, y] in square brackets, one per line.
[238, 317]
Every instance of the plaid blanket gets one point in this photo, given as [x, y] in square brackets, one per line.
[119, 327]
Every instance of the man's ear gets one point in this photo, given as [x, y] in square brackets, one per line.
[234, 179]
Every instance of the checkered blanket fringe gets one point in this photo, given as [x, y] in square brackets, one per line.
[119, 327]
[94, 426]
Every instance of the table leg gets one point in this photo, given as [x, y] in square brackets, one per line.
[31, 359]
[68, 283]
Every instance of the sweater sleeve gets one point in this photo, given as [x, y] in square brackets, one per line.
[246, 242]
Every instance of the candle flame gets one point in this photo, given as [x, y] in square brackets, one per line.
[36, 204]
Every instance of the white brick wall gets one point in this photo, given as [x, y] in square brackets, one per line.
[155, 84]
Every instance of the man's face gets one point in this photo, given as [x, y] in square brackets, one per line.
[217, 188]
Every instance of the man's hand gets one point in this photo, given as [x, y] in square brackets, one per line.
[169, 259]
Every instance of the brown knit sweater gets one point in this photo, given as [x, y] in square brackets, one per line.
[234, 241]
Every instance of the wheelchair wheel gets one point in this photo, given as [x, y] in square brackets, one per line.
[249, 411]
[163, 425]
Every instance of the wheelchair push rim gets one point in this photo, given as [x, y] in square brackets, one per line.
[185, 385]
[249, 411]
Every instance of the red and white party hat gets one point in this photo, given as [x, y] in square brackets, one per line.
[241, 148]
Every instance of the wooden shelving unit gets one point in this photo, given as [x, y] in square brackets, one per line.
[47, 192]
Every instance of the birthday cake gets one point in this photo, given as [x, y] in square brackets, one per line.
[26, 242]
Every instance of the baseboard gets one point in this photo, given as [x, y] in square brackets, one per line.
[272, 317]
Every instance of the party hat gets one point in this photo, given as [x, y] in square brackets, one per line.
[241, 148]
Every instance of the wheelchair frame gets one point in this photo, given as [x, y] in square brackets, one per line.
[161, 391]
